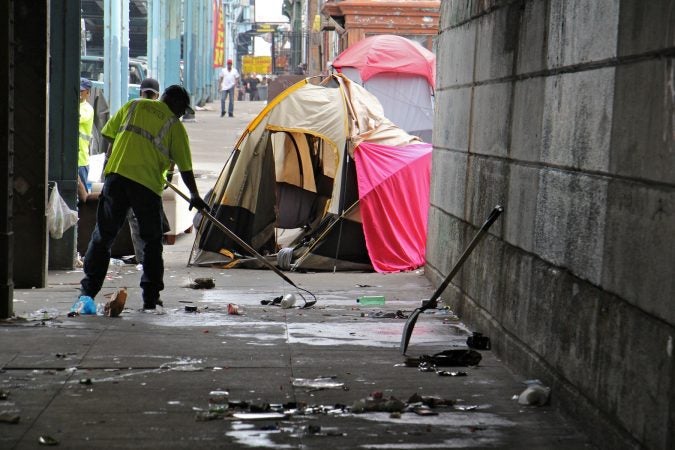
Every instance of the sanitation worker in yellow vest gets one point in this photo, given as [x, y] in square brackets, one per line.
[147, 136]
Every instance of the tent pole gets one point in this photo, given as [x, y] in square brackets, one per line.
[345, 172]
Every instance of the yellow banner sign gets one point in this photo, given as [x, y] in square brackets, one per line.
[256, 64]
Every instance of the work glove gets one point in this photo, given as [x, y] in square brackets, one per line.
[197, 202]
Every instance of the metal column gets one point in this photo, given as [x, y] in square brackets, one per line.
[6, 157]
[31, 125]
[116, 52]
[64, 110]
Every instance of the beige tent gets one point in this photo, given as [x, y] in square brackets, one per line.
[290, 181]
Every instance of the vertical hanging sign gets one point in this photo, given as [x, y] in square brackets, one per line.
[218, 34]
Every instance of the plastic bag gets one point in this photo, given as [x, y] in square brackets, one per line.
[59, 216]
[83, 305]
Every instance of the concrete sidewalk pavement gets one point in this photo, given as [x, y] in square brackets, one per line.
[293, 377]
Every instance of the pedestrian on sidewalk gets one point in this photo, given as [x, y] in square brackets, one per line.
[228, 80]
[146, 136]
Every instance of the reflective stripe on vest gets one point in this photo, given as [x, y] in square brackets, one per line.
[155, 140]
[86, 137]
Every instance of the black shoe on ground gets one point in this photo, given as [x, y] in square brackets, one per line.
[222, 114]
[230, 115]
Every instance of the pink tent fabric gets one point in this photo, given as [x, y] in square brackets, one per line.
[394, 195]
[388, 53]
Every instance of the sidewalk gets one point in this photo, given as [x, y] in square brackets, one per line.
[145, 380]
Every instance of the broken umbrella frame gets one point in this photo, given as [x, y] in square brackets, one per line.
[432, 303]
[232, 235]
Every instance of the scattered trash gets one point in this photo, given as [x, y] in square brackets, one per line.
[377, 403]
[478, 341]
[274, 301]
[206, 416]
[4, 395]
[116, 262]
[115, 306]
[387, 315]
[424, 411]
[364, 285]
[202, 283]
[86, 381]
[425, 366]
[219, 401]
[8, 417]
[447, 358]
[39, 315]
[466, 407]
[536, 394]
[83, 305]
[445, 373]
[259, 416]
[233, 309]
[318, 383]
[429, 400]
[190, 308]
[47, 440]
[288, 301]
[370, 300]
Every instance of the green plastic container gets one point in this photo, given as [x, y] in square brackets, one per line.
[370, 300]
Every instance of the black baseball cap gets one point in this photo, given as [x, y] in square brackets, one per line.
[150, 84]
[178, 92]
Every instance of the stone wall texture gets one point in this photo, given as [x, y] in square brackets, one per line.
[562, 112]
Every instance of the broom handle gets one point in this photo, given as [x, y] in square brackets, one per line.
[483, 229]
[236, 238]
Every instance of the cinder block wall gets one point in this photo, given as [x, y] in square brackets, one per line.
[562, 111]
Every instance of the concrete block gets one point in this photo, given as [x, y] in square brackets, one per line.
[639, 255]
[491, 119]
[486, 188]
[513, 306]
[577, 121]
[526, 121]
[496, 41]
[479, 276]
[444, 243]
[454, 12]
[570, 222]
[456, 48]
[452, 119]
[634, 365]
[521, 206]
[532, 38]
[646, 26]
[643, 134]
[448, 175]
[582, 31]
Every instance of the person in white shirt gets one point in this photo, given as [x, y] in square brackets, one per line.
[228, 80]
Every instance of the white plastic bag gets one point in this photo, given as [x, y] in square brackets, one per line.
[59, 216]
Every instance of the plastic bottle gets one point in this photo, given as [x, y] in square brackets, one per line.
[288, 301]
[371, 300]
[218, 401]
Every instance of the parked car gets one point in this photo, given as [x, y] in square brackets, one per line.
[91, 67]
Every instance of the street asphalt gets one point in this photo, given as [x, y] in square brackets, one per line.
[191, 375]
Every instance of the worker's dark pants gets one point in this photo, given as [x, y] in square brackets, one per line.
[118, 195]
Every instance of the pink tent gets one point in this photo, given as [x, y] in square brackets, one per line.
[393, 187]
[400, 73]
[388, 53]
